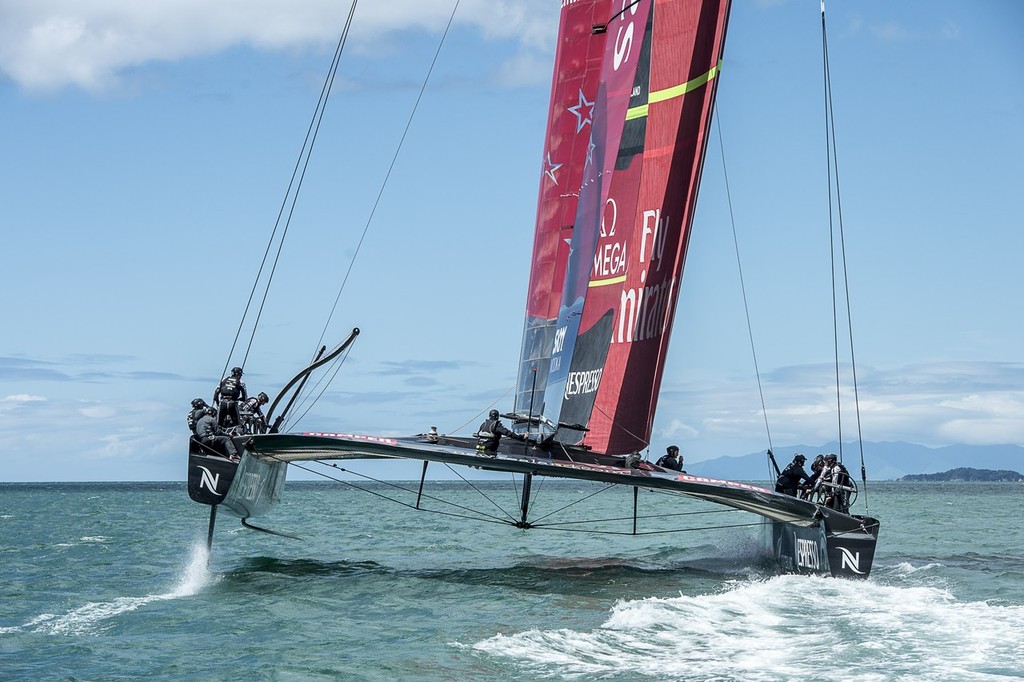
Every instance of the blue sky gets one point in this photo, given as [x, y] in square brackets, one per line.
[146, 148]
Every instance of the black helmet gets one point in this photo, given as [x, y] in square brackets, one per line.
[198, 402]
[493, 414]
[210, 411]
[799, 458]
[262, 398]
[830, 457]
[672, 449]
[236, 371]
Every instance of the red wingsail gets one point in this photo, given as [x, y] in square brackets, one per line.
[635, 239]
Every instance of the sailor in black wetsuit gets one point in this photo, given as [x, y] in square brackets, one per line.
[230, 391]
[490, 432]
[213, 436]
[792, 476]
[195, 414]
[253, 420]
[671, 459]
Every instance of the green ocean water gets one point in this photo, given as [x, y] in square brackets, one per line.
[113, 582]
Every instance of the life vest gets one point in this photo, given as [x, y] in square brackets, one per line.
[230, 388]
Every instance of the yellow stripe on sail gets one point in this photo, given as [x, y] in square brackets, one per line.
[674, 91]
[606, 282]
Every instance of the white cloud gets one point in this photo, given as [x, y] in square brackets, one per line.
[22, 398]
[45, 46]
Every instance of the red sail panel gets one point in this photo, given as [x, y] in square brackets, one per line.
[574, 86]
[641, 250]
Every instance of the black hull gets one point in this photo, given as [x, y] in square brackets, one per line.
[839, 545]
[250, 487]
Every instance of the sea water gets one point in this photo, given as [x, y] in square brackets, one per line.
[114, 582]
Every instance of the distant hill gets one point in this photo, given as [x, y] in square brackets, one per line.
[884, 461]
[967, 474]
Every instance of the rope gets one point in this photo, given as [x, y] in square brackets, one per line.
[478, 515]
[301, 162]
[743, 288]
[387, 176]
[832, 157]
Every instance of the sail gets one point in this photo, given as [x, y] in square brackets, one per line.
[641, 175]
[578, 58]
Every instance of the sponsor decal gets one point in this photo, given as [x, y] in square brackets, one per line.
[644, 310]
[353, 436]
[807, 554]
[582, 382]
[209, 480]
[850, 561]
[624, 37]
[716, 481]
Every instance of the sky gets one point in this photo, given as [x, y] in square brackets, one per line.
[146, 149]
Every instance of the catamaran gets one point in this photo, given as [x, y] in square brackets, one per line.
[630, 114]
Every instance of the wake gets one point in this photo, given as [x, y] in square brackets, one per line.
[95, 617]
[783, 628]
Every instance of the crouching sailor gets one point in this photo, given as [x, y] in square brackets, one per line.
[214, 437]
[489, 434]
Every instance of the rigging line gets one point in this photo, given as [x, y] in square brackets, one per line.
[298, 187]
[594, 531]
[743, 288]
[582, 499]
[619, 426]
[486, 409]
[487, 518]
[387, 175]
[642, 516]
[479, 515]
[845, 271]
[284, 201]
[831, 229]
[480, 492]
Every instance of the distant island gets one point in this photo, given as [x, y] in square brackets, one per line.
[968, 474]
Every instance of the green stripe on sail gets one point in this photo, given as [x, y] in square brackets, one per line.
[674, 91]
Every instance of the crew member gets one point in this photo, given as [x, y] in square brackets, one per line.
[792, 476]
[253, 420]
[230, 390]
[211, 434]
[671, 459]
[490, 432]
[198, 410]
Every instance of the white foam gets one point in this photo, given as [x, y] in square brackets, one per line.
[793, 626]
[94, 617]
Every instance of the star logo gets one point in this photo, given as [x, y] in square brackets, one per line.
[583, 111]
[590, 152]
[550, 168]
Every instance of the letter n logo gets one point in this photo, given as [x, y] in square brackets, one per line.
[209, 480]
[850, 561]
